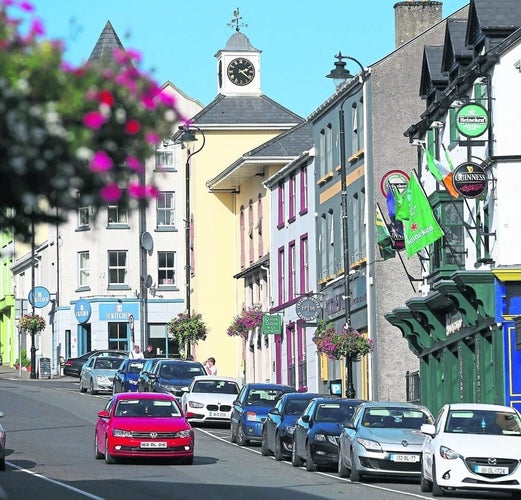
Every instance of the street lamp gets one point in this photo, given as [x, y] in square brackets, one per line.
[186, 136]
[341, 75]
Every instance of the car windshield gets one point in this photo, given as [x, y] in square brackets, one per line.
[216, 386]
[296, 406]
[181, 372]
[334, 412]
[135, 366]
[483, 422]
[395, 418]
[263, 397]
[103, 363]
[146, 408]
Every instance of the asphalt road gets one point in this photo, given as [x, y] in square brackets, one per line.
[50, 455]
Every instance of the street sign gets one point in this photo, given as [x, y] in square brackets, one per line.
[39, 296]
[271, 324]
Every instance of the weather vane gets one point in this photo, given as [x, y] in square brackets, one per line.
[235, 22]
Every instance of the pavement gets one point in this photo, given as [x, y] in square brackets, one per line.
[10, 373]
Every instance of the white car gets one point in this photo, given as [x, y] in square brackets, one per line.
[209, 398]
[472, 447]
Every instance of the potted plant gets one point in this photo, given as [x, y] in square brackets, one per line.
[187, 329]
[31, 323]
[24, 361]
[247, 320]
[348, 343]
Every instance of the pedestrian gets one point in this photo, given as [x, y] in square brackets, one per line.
[210, 367]
[189, 357]
[136, 353]
[149, 352]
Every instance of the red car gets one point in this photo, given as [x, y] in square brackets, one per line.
[136, 425]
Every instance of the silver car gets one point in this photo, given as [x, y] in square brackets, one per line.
[384, 439]
[97, 374]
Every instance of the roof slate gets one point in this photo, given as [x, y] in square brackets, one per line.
[107, 42]
[240, 110]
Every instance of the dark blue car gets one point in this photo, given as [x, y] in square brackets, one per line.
[277, 431]
[317, 432]
[250, 409]
[125, 379]
[171, 375]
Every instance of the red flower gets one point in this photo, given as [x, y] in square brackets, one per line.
[106, 97]
[132, 127]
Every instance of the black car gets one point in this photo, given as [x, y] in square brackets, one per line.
[73, 366]
[317, 432]
[277, 430]
[125, 379]
[171, 375]
[143, 379]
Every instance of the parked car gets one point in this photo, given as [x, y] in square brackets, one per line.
[315, 439]
[171, 375]
[278, 428]
[98, 373]
[472, 447]
[147, 425]
[250, 409]
[125, 379]
[143, 380]
[72, 366]
[2, 446]
[383, 438]
[209, 398]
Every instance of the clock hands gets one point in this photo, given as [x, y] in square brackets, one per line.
[245, 73]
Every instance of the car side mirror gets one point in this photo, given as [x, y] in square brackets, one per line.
[274, 411]
[184, 389]
[103, 414]
[428, 429]
[305, 418]
[349, 425]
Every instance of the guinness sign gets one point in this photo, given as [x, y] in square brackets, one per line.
[470, 180]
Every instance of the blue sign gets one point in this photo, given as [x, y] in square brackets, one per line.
[82, 311]
[119, 312]
[39, 296]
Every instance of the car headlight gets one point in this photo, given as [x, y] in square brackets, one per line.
[320, 437]
[102, 378]
[195, 404]
[290, 429]
[449, 454]
[121, 433]
[166, 387]
[183, 434]
[132, 382]
[251, 416]
[369, 445]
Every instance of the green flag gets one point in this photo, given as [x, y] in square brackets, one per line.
[401, 207]
[420, 228]
[383, 237]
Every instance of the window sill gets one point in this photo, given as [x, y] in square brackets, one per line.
[82, 228]
[165, 229]
[115, 225]
[82, 289]
[116, 286]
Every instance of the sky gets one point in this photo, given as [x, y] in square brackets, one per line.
[178, 39]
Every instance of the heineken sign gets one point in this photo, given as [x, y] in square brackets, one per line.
[472, 120]
[470, 180]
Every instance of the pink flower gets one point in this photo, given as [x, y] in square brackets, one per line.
[37, 28]
[94, 119]
[152, 138]
[27, 6]
[101, 162]
[136, 190]
[132, 127]
[167, 99]
[135, 164]
[111, 192]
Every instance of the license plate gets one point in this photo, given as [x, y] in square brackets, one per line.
[487, 469]
[153, 444]
[217, 414]
[404, 458]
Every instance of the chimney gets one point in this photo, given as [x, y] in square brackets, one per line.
[413, 17]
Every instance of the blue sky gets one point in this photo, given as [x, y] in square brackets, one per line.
[179, 38]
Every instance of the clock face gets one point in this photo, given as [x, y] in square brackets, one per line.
[240, 71]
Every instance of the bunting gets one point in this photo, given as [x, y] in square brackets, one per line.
[419, 223]
[442, 172]
[383, 237]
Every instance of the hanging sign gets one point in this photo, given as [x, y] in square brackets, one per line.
[470, 180]
[308, 309]
[472, 120]
[271, 324]
[39, 296]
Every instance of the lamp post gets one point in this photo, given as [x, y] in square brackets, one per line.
[340, 75]
[185, 136]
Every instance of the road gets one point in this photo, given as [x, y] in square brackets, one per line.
[50, 455]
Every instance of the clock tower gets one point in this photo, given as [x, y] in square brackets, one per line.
[238, 65]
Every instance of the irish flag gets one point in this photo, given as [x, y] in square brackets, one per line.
[442, 172]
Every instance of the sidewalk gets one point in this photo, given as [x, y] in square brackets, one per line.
[9, 373]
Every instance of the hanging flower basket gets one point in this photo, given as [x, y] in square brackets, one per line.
[187, 329]
[337, 345]
[247, 320]
[32, 324]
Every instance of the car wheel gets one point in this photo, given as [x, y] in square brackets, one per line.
[355, 473]
[82, 389]
[265, 451]
[310, 464]
[425, 485]
[296, 461]
[2, 463]
[241, 438]
[91, 388]
[343, 471]
[233, 435]
[516, 495]
[97, 453]
[109, 459]
[279, 456]
[437, 490]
